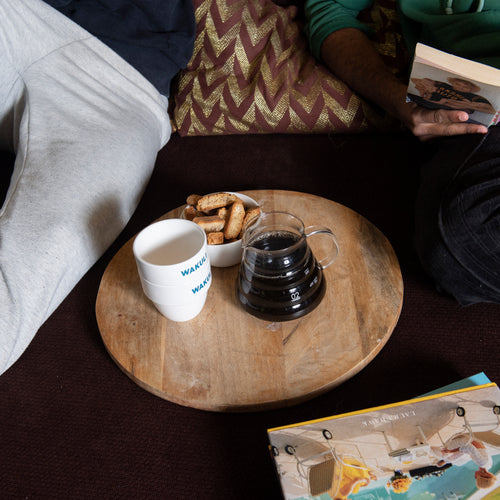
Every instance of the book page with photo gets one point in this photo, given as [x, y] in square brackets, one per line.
[440, 80]
[442, 446]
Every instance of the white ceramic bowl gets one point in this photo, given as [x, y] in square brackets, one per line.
[229, 254]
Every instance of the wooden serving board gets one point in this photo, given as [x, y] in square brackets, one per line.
[227, 360]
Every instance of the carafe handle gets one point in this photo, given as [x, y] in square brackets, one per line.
[333, 252]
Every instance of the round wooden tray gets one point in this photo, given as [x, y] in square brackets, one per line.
[227, 360]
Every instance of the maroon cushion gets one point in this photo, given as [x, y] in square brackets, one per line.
[252, 72]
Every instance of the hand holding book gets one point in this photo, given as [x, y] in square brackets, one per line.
[443, 81]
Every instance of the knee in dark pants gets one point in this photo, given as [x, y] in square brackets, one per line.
[458, 226]
[450, 276]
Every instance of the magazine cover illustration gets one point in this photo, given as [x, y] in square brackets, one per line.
[445, 446]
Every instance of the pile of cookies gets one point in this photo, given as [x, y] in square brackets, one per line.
[221, 215]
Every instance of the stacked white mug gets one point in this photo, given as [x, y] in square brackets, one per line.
[174, 267]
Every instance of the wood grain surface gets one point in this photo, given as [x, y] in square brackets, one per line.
[227, 360]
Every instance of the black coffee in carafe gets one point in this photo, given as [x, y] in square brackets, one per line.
[279, 278]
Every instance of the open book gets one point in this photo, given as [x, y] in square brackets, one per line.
[442, 80]
[431, 447]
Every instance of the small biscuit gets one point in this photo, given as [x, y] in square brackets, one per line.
[234, 223]
[251, 214]
[216, 200]
[193, 199]
[190, 212]
[210, 223]
[223, 212]
[215, 238]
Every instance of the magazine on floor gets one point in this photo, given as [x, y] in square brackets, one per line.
[444, 445]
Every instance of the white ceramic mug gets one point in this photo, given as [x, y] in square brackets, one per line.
[174, 267]
[175, 294]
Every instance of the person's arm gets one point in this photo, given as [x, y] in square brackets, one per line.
[349, 54]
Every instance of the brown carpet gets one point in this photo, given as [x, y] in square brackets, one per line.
[72, 425]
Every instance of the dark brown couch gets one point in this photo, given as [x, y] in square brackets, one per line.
[74, 426]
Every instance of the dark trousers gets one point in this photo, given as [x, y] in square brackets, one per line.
[457, 217]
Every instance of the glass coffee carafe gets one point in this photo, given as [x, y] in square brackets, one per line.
[279, 277]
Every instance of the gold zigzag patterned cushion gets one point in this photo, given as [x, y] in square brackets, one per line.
[252, 72]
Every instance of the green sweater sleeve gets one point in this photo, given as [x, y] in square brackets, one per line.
[323, 17]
